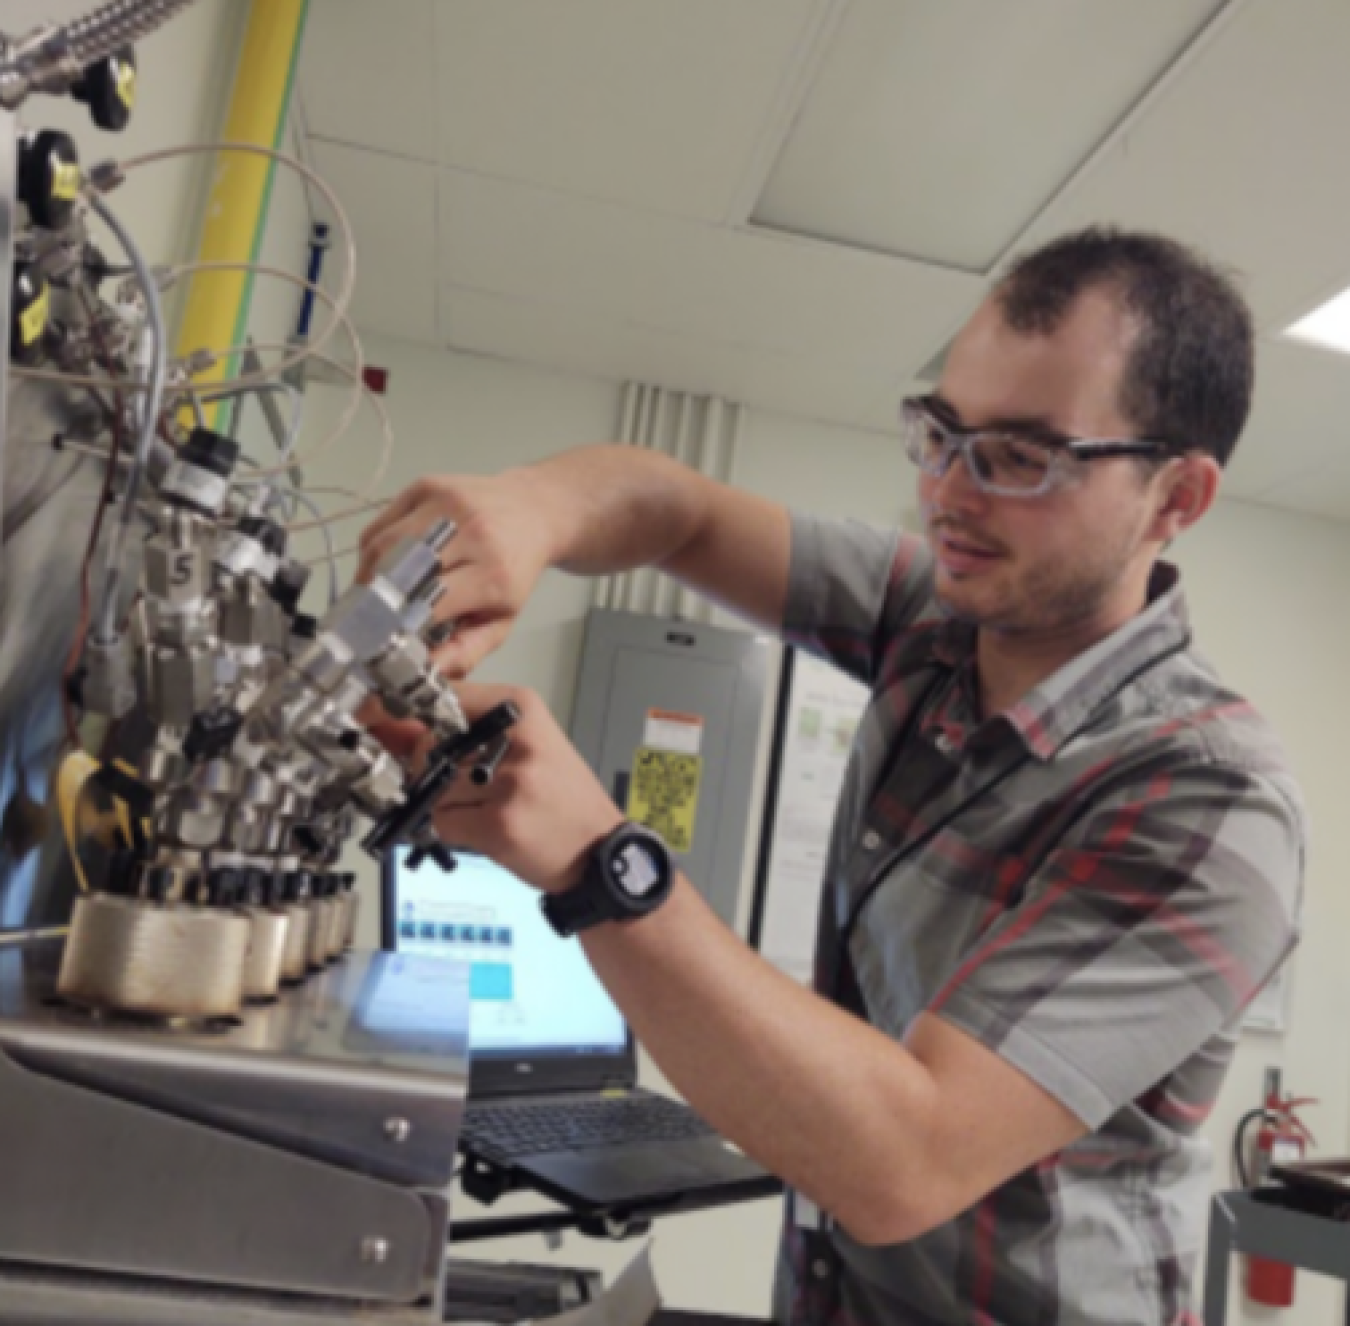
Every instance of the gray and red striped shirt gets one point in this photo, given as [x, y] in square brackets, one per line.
[1094, 884]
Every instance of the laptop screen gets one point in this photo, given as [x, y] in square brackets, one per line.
[533, 995]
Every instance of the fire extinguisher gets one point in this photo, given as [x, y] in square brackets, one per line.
[1282, 1139]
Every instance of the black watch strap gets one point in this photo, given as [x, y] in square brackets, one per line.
[577, 909]
[628, 874]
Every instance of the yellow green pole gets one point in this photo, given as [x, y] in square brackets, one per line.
[215, 314]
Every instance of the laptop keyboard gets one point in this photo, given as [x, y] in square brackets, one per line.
[509, 1131]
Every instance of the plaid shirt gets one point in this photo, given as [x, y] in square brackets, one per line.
[1105, 875]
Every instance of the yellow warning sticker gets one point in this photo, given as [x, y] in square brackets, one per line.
[126, 83]
[66, 180]
[33, 320]
[663, 794]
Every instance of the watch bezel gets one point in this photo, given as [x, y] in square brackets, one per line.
[598, 896]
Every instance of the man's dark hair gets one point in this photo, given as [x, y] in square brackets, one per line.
[1188, 380]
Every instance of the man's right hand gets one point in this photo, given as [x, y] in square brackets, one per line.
[502, 544]
[591, 511]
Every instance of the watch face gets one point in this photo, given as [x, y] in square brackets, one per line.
[636, 869]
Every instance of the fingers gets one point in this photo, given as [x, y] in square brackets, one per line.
[405, 502]
[469, 646]
[407, 516]
[401, 737]
[375, 544]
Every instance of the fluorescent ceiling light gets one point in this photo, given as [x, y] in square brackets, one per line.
[1328, 326]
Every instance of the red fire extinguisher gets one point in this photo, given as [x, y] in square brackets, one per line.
[1283, 1138]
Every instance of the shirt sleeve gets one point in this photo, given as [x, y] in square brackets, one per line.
[1146, 931]
[852, 587]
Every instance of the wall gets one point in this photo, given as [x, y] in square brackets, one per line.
[1264, 588]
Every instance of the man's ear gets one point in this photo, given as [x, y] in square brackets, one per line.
[1188, 487]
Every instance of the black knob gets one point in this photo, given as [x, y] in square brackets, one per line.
[297, 885]
[210, 451]
[267, 532]
[257, 887]
[212, 733]
[305, 627]
[49, 177]
[156, 883]
[289, 584]
[225, 886]
[307, 839]
[437, 852]
[108, 88]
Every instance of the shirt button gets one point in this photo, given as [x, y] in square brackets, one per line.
[871, 840]
[944, 743]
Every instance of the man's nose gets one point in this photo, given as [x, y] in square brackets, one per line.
[955, 488]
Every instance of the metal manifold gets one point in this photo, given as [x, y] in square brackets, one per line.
[289, 1166]
[211, 1110]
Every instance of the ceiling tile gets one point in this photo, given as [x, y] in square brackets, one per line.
[939, 130]
[880, 412]
[734, 288]
[1244, 156]
[392, 204]
[603, 345]
[659, 104]
[368, 74]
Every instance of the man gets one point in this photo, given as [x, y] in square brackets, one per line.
[1065, 857]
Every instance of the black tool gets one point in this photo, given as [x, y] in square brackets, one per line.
[411, 821]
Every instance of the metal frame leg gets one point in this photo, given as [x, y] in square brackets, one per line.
[1218, 1259]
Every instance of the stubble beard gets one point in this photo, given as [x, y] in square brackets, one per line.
[1047, 599]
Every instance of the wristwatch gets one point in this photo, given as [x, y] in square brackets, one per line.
[628, 875]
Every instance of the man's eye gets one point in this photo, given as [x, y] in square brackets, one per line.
[1024, 456]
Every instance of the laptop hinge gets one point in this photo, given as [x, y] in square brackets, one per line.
[617, 1084]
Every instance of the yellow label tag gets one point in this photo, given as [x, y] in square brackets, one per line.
[663, 794]
[126, 83]
[66, 180]
[33, 320]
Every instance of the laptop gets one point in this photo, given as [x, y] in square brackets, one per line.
[553, 1094]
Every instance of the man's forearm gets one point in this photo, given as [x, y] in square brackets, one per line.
[613, 508]
[817, 1096]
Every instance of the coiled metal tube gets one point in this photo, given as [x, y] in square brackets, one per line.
[114, 25]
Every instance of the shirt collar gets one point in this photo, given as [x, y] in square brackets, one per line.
[1048, 715]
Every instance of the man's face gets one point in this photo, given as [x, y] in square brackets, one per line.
[1067, 559]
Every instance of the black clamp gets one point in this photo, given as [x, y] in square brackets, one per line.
[212, 733]
[411, 822]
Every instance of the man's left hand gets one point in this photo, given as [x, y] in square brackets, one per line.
[543, 810]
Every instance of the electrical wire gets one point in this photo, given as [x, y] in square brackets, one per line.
[77, 645]
[232, 391]
[372, 398]
[329, 556]
[285, 445]
[360, 390]
[349, 514]
[295, 357]
[344, 295]
[353, 372]
[105, 621]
